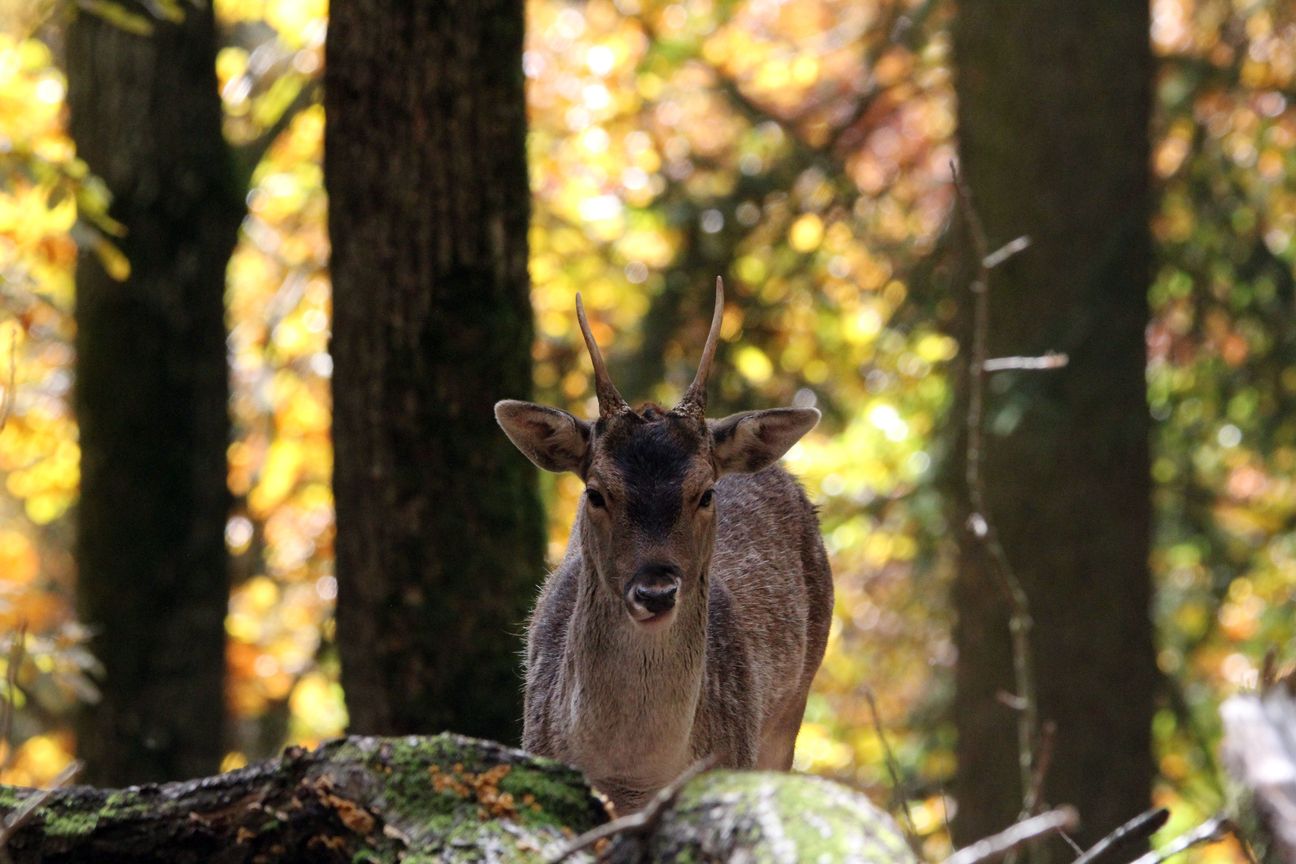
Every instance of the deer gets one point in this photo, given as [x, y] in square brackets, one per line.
[691, 609]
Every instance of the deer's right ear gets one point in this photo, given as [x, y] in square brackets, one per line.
[552, 439]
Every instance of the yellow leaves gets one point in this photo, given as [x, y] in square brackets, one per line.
[231, 66]
[936, 348]
[298, 22]
[806, 233]
[38, 760]
[18, 559]
[115, 264]
[753, 365]
[318, 709]
[279, 475]
[1173, 149]
[818, 752]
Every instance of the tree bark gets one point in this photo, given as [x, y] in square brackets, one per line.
[1053, 117]
[446, 799]
[151, 396]
[439, 532]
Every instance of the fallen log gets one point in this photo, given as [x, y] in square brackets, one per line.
[439, 799]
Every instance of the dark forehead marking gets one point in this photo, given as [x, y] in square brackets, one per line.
[653, 457]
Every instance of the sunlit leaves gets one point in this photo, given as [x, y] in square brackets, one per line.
[798, 150]
[1221, 367]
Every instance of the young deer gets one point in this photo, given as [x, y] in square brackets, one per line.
[691, 609]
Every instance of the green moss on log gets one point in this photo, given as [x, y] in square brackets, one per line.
[769, 818]
[445, 799]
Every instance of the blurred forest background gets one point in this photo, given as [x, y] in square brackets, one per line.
[802, 148]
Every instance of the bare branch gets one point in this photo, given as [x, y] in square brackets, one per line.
[1135, 830]
[1027, 831]
[643, 821]
[1019, 622]
[1006, 251]
[1051, 360]
[899, 800]
[1208, 832]
[1043, 759]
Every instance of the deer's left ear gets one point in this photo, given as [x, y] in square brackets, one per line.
[752, 440]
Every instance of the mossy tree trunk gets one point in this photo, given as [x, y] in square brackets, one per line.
[439, 530]
[1053, 122]
[151, 396]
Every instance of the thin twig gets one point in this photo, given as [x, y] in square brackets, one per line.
[945, 815]
[1019, 622]
[1208, 832]
[1028, 830]
[1051, 360]
[19, 817]
[1004, 252]
[17, 651]
[1135, 830]
[637, 823]
[1043, 759]
[899, 800]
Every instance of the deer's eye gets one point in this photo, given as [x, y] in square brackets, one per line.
[705, 501]
[595, 499]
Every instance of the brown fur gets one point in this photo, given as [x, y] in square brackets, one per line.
[633, 706]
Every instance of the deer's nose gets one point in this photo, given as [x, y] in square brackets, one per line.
[656, 599]
[654, 587]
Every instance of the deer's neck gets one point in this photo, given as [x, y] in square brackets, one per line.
[633, 695]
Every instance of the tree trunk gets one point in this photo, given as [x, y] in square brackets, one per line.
[439, 530]
[151, 396]
[1053, 118]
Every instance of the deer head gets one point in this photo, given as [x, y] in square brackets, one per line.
[649, 508]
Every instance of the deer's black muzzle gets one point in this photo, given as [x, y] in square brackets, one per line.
[654, 588]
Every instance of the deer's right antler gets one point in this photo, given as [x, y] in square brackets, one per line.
[610, 400]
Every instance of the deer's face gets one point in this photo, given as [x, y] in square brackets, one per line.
[648, 525]
[649, 510]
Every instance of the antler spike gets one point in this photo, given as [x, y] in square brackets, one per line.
[694, 401]
[609, 398]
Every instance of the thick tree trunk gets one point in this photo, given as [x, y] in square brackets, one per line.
[440, 537]
[1053, 118]
[151, 396]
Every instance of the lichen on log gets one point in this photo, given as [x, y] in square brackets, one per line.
[771, 818]
[445, 798]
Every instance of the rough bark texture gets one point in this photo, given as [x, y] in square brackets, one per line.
[743, 816]
[446, 799]
[416, 800]
[440, 537]
[1053, 115]
[151, 396]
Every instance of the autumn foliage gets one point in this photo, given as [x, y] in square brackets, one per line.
[801, 149]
